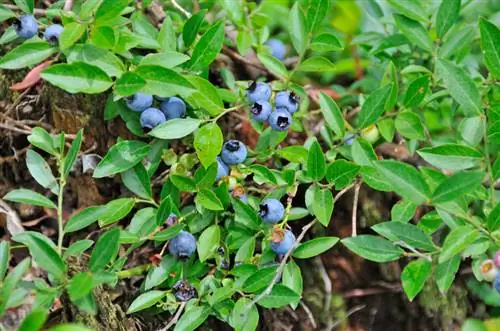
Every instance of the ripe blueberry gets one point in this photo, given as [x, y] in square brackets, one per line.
[261, 110]
[173, 108]
[271, 211]
[258, 91]
[233, 152]
[151, 117]
[283, 244]
[278, 49]
[287, 100]
[52, 33]
[26, 26]
[139, 101]
[183, 291]
[222, 169]
[183, 245]
[349, 139]
[171, 219]
[280, 119]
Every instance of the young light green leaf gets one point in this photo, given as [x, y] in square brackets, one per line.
[447, 16]
[164, 82]
[414, 276]
[166, 37]
[411, 9]
[43, 140]
[208, 242]
[409, 125]
[451, 156]
[208, 143]
[40, 170]
[322, 206]
[387, 128]
[316, 163]
[456, 42]
[78, 248]
[167, 59]
[176, 128]
[374, 106]
[316, 64]
[71, 34]
[332, 114]
[115, 210]
[493, 220]
[292, 278]
[373, 248]
[362, 152]
[457, 240]
[326, 42]
[403, 211]
[34, 321]
[27, 54]
[414, 31]
[207, 47]
[208, 199]
[145, 300]
[314, 247]
[6, 13]
[105, 249]
[4, 258]
[128, 84]
[457, 185]
[298, 32]
[408, 233]
[101, 58]
[193, 318]
[280, 296]
[245, 215]
[80, 286]
[246, 251]
[490, 44]
[245, 318]
[342, 173]
[295, 154]
[445, 273]
[206, 97]
[191, 27]
[84, 218]
[416, 91]
[316, 13]
[273, 64]
[29, 197]
[70, 158]
[122, 156]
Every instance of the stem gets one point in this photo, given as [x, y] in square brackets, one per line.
[151, 202]
[60, 236]
[226, 111]
[179, 7]
[135, 271]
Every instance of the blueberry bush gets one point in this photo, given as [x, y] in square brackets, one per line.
[237, 127]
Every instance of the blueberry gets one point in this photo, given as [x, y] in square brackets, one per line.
[258, 91]
[278, 49]
[183, 291]
[139, 101]
[285, 244]
[183, 245]
[280, 120]
[222, 169]
[287, 100]
[233, 152]
[271, 211]
[496, 282]
[151, 117]
[349, 139]
[171, 219]
[261, 110]
[52, 33]
[173, 108]
[26, 26]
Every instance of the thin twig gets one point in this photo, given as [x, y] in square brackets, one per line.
[11, 128]
[355, 208]
[179, 7]
[326, 281]
[68, 4]
[309, 314]
[268, 290]
[175, 318]
[417, 253]
[341, 193]
[237, 57]
[36, 11]
[349, 313]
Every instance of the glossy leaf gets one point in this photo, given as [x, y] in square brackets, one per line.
[414, 276]
[176, 128]
[409, 125]
[208, 143]
[374, 106]
[145, 300]
[451, 156]
[316, 163]
[314, 247]
[457, 240]
[40, 170]
[407, 233]
[322, 205]
[457, 185]
[208, 242]
[373, 248]
[414, 31]
[332, 114]
[207, 47]
[29, 197]
[27, 54]
[447, 16]
[490, 44]
[105, 249]
[298, 30]
[122, 156]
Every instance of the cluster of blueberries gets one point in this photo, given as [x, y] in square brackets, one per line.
[490, 270]
[26, 27]
[151, 117]
[285, 104]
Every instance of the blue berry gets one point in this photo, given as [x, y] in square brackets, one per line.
[278, 49]
[52, 33]
[280, 119]
[258, 91]
[171, 219]
[261, 110]
[184, 291]
[271, 211]
[173, 108]
[26, 26]
[287, 100]
[139, 101]
[222, 169]
[152, 117]
[183, 245]
[496, 282]
[233, 152]
[285, 244]
[349, 139]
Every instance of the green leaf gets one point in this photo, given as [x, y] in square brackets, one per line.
[409, 125]
[373, 248]
[414, 276]
[295, 154]
[159, 274]
[128, 84]
[414, 31]
[164, 82]
[316, 163]
[445, 273]
[176, 128]
[70, 327]
[71, 34]
[26, 6]
[342, 173]
[104, 37]
[403, 211]
[208, 199]
[29, 197]
[137, 180]
[447, 16]
[43, 140]
[193, 318]
[273, 65]
[77, 248]
[27, 54]
[259, 280]
[70, 158]
[461, 87]
[105, 249]
[387, 127]
[43, 254]
[332, 114]
[80, 286]
[493, 220]
[122, 156]
[11, 281]
[326, 42]
[314, 247]
[6, 13]
[101, 58]
[34, 321]
[167, 59]
[243, 41]
[292, 278]
[168, 233]
[457, 240]
[40, 170]
[490, 44]
[411, 9]
[166, 37]
[457, 42]
[244, 214]
[408, 233]
[472, 130]
[207, 48]
[84, 218]
[245, 317]
[206, 97]
[77, 77]
[208, 242]
[109, 10]
[457, 185]
[246, 251]
[451, 156]
[322, 206]
[208, 143]
[4, 258]
[316, 13]
[405, 180]
[416, 91]
[191, 27]
[316, 64]
[374, 106]
[146, 300]
[115, 210]
[298, 32]
[185, 184]
[263, 172]
[280, 296]
[362, 152]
